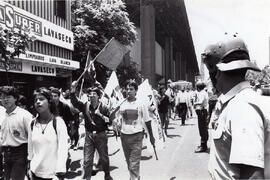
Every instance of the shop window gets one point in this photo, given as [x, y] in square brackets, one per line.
[60, 8]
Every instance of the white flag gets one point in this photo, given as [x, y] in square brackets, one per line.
[146, 96]
[112, 92]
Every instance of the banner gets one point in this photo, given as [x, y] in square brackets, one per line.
[112, 54]
[146, 95]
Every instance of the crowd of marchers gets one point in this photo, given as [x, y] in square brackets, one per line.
[35, 142]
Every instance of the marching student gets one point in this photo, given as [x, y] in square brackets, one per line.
[48, 139]
[14, 135]
[133, 115]
[96, 123]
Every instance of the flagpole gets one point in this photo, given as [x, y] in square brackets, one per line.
[85, 68]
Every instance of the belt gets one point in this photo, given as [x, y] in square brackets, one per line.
[95, 131]
[20, 148]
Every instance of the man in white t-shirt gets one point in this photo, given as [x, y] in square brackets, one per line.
[134, 115]
[237, 149]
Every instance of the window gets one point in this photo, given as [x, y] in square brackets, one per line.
[60, 8]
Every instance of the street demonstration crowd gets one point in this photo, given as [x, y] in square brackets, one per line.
[35, 141]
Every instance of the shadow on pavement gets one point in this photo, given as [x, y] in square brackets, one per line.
[145, 158]
[173, 136]
[72, 174]
[113, 168]
[111, 154]
[188, 124]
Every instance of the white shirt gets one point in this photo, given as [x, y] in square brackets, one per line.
[133, 114]
[48, 152]
[14, 131]
[239, 135]
[181, 97]
[201, 99]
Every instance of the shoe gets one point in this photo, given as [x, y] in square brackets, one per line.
[201, 149]
[94, 172]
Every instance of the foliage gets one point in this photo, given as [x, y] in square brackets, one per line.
[261, 78]
[13, 42]
[94, 23]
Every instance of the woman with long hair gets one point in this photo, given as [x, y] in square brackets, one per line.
[48, 139]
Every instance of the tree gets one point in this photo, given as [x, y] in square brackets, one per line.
[13, 42]
[261, 78]
[94, 23]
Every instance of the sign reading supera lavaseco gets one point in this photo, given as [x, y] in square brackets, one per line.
[14, 17]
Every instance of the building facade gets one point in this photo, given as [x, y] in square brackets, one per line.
[48, 61]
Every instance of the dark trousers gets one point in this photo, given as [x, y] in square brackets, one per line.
[99, 142]
[132, 147]
[15, 162]
[212, 104]
[164, 120]
[182, 111]
[202, 123]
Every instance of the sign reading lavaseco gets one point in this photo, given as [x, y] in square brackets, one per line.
[13, 17]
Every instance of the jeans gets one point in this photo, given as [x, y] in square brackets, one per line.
[202, 122]
[132, 147]
[15, 162]
[99, 142]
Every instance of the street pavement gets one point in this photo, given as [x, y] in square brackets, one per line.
[176, 161]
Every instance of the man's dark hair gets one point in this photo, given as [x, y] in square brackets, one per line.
[94, 89]
[56, 91]
[133, 84]
[10, 91]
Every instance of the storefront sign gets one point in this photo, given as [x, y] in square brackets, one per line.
[12, 66]
[14, 17]
[59, 62]
[28, 68]
[43, 70]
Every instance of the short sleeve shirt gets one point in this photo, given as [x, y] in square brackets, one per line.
[14, 129]
[238, 137]
[133, 114]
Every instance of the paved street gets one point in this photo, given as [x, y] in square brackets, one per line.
[176, 161]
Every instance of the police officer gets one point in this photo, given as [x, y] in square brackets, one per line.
[237, 149]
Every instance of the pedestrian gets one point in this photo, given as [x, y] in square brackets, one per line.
[170, 92]
[237, 149]
[96, 117]
[200, 106]
[48, 139]
[181, 101]
[64, 111]
[14, 135]
[163, 108]
[134, 115]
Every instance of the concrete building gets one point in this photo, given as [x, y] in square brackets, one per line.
[48, 62]
[165, 48]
